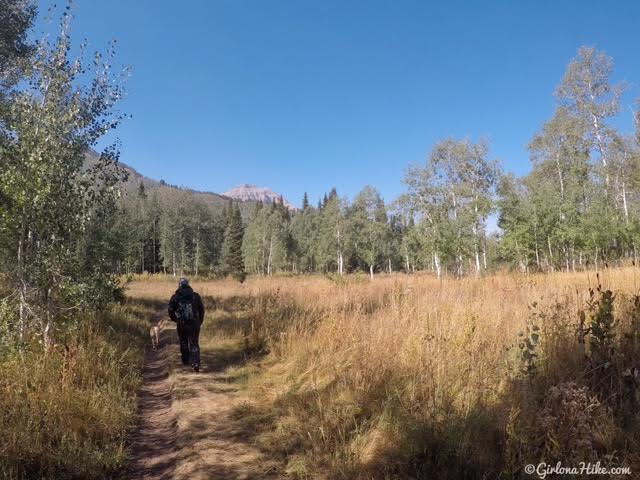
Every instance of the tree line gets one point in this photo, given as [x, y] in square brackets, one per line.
[579, 206]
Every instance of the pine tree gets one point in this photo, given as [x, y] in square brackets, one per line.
[305, 201]
[232, 261]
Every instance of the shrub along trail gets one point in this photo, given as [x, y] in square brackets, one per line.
[188, 426]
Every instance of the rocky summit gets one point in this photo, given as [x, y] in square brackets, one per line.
[246, 192]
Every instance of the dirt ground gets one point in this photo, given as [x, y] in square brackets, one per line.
[187, 429]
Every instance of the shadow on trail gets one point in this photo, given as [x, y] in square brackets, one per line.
[212, 376]
[215, 442]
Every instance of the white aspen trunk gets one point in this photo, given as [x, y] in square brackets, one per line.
[601, 147]
[22, 309]
[406, 258]
[624, 203]
[476, 251]
[550, 253]
[484, 255]
[262, 251]
[47, 333]
[436, 262]
[270, 259]
[371, 272]
[600, 141]
[560, 177]
[596, 259]
[390, 268]
[340, 259]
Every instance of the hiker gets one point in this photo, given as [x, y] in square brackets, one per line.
[187, 310]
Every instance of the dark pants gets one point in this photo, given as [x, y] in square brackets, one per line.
[188, 334]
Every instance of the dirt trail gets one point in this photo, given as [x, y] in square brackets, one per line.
[153, 444]
[214, 444]
[187, 427]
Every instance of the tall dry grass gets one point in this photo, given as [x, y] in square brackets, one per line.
[66, 412]
[409, 376]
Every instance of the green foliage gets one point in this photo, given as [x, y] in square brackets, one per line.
[232, 261]
[16, 18]
[451, 198]
[51, 232]
[528, 344]
[578, 206]
[369, 231]
[583, 396]
[268, 244]
[600, 332]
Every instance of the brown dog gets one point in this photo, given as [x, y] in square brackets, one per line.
[154, 332]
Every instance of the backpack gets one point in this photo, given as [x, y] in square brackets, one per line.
[184, 312]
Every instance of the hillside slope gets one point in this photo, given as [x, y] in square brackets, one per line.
[216, 201]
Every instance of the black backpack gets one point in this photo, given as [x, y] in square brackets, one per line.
[184, 312]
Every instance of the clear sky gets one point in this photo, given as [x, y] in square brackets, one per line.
[306, 95]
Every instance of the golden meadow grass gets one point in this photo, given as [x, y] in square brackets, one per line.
[408, 375]
[66, 413]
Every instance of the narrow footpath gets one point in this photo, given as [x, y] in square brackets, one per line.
[154, 442]
[187, 427]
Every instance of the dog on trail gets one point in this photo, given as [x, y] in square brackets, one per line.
[154, 332]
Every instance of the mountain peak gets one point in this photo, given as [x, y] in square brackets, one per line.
[248, 192]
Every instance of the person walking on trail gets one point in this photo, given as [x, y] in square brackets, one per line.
[187, 310]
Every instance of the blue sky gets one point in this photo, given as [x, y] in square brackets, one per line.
[306, 95]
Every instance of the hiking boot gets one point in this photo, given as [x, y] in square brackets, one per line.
[196, 368]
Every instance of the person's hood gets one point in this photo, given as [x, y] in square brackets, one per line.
[184, 291]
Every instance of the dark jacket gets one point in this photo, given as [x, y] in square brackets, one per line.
[186, 293]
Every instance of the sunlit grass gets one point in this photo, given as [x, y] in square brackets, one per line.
[67, 412]
[410, 375]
